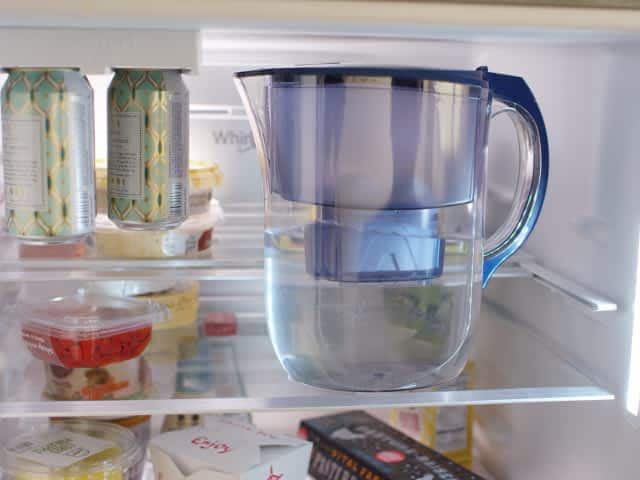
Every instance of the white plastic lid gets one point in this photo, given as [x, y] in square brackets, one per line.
[132, 288]
[89, 315]
[50, 451]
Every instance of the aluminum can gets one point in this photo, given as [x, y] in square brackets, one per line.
[48, 154]
[148, 149]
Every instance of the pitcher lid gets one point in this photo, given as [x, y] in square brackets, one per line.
[475, 77]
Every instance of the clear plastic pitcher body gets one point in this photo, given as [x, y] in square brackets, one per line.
[374, 241]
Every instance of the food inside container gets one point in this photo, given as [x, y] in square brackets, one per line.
[180, 298]
[182, 303]
[178, 334]
[203, 178]
[73, 450]
[180, 343]
[80, 248]
[117, 381]
[87, 330]
[192, 239]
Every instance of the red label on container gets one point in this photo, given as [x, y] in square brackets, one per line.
[204, 242]
[220, 324]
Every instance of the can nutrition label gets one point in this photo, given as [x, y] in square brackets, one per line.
[25, 172]
[126, 165]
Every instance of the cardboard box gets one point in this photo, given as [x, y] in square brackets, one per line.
[356, 445]
[228, 450]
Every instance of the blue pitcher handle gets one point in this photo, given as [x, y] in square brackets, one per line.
[521, 106]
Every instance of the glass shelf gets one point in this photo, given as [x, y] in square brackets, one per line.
[241, 373]
[236, 255]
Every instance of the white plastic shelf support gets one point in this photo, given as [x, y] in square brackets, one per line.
[97, 50]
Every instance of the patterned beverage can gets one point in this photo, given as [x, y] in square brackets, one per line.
[148, 151]
[48, 154]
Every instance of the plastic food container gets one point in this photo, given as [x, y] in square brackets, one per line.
[203, 177]
[132, 288]
[180, 343]
[180, 298]
[139, 425]
[73, 450]
[117, 381]
[181, 302]
[191, 239]
[87, 330]
[81, 248]
[178, 334]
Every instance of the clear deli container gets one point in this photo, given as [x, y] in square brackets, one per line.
[132, 288]
[203, 177]
[194, 238]
[180, 298]
[73, 450]
[139, 425]
[178, 334]
[86, 330]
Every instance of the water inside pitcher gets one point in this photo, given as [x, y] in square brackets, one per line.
[374, 241]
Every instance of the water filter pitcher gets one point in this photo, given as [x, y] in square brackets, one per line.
[375, 252]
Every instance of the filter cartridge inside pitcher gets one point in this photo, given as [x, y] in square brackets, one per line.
[355, 245]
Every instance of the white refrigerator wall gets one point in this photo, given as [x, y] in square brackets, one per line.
[588, 232]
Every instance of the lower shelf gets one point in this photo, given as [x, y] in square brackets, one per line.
[280, 423]
[241, 373]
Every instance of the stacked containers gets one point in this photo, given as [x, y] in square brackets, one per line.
[91, 347]
[191, 239]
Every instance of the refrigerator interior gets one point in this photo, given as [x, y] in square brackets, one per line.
[559, 324]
